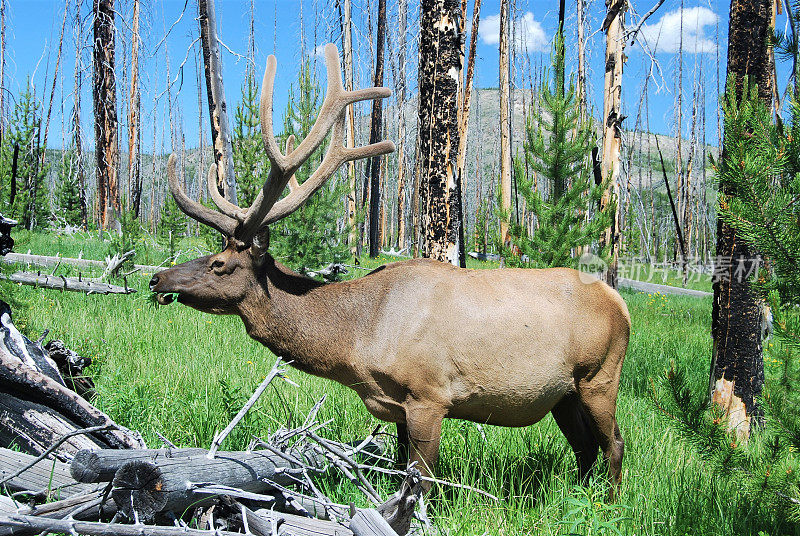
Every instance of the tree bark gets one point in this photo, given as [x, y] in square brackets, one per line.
[217, 109]
[439, 67]
[105, 110]
[76, 118]
[614, 26]
[402, 9]
[505, 119]
[134, 127]
[737, 366]
[375, 134]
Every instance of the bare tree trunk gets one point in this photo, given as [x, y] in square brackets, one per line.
[374, 163]
[134, 126]
[105, 110]
[217, 110]
[614, 26]
[737, 365]
[439, 66]
[581, 85]
[463, 116]
[347, 50]
[76, 118]
[679, 128]
[2, 68]
[402, 9]
[505, 119]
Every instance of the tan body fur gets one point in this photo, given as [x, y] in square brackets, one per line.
[422, 340]
[418, 340]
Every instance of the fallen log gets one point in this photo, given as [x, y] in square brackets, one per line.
[44, 479]
[101, 465]
[35, 411]
[60, 282]
[262, 522]
[68, 526]
[146, 488]
[54, 260]
[370, 523]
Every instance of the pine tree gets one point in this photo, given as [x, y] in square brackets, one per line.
[311, 237]
[67, 191]
[760, 177]
[172, 226]
[29, 205]
[249, 157]
[556, 150]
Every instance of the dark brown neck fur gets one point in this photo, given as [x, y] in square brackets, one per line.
[302, 320]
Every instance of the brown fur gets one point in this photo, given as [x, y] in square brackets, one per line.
[422, 340]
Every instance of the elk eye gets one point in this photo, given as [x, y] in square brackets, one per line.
[217, 264]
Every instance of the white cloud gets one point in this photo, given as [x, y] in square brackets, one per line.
[319, 51]
[665, 34]
[529, 36]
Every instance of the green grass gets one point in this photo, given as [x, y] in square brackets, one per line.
[182, 373]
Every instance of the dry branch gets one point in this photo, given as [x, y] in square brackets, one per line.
[58, 282]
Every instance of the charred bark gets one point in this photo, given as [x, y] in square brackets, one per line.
[737, 366]
[375, 135]
[105, 110]
[439, 68]
[217, 109]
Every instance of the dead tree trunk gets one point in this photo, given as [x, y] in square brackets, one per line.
[737, 366]
[217, 110]
[375, 135]
[76, 118]
[614, 26]
[105, 110]
[439, 67]
[134, 126]
[505, 120]
[402, 9]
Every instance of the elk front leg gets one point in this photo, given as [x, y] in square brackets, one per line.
[424, 432]
[401, 460]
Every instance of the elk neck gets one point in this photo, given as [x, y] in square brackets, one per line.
[303, 320]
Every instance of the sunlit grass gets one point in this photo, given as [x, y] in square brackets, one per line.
[181, 373]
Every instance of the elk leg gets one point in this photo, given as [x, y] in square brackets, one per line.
[601, 406]
[424, 434]
[402, 446]
[573, 422]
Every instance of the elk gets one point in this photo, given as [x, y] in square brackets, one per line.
[418, 340]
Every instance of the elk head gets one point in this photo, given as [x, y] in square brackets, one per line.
[218, 283]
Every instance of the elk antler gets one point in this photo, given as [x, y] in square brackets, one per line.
[221, 222]
[266, 209]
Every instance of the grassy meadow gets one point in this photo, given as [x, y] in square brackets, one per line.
[183, 374]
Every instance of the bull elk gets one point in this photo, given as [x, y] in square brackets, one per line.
[418, 340]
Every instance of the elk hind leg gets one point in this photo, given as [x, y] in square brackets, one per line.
[600, 403]
[574, 423]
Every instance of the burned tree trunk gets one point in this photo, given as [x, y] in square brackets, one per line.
[505, 119]
[217, 109]
[134, 127]
[614, 26]
[105, 110]
[439, 68]
[737, 366]
[36, 407]
[76, 119]
[375, 135]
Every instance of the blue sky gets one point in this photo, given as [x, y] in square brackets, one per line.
[286, 28]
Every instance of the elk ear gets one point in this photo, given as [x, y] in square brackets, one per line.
[260, 245]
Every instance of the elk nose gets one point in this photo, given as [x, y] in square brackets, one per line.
[153, 282]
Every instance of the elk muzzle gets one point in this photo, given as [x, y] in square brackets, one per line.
[163, 298]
